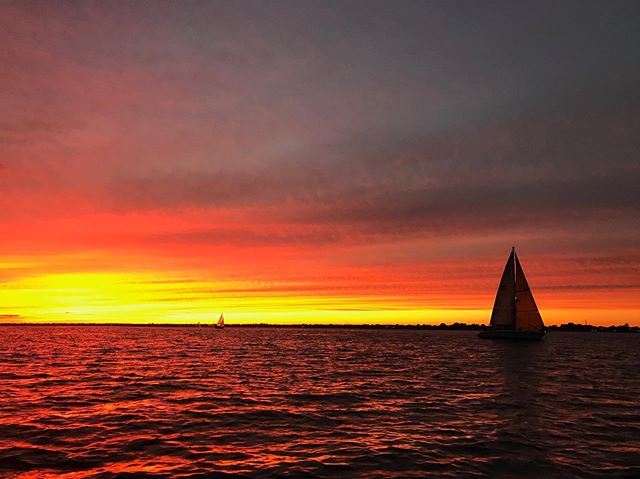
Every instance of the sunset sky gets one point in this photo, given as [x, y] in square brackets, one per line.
[316, 161]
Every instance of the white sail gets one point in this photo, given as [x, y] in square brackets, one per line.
[503, 315]
[527, 315]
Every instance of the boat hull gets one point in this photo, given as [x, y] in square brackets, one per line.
[512, 334]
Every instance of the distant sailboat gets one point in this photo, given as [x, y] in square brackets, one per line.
[220, 323]
[515, 314]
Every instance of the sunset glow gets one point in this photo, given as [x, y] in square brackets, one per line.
[163, 166]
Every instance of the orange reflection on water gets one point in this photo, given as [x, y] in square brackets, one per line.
[177, 401]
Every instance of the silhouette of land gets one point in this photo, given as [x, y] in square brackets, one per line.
[572, 327]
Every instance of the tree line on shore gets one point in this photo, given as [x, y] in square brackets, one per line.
[625, 328]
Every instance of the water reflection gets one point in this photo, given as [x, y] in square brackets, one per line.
[522, 429]
[164, 402]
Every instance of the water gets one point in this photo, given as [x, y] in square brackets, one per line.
[195, 402]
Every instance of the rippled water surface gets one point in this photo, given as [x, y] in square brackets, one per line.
[109, 401]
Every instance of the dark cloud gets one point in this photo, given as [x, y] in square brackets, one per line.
[589, 287]
[626, 261]
[547, 172]
[247, 236]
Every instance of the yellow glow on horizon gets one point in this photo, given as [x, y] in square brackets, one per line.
[122, 297]
[131, 298]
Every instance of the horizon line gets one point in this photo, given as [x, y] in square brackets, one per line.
[440, 326]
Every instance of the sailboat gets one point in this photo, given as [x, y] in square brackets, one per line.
[515, 314]
[220, 323]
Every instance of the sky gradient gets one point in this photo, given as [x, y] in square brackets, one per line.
[318, 161]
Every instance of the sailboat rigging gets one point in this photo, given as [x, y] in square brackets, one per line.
[515, 314]
[220, 323]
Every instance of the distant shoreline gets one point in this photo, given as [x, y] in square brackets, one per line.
[570, 327]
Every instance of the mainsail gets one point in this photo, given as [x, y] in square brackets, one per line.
[515, 307]
[527, 315]
[220, 321]
[503, 315]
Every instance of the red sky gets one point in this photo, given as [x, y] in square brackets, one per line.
[301, 162]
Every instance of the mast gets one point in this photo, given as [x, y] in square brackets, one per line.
[515, 292]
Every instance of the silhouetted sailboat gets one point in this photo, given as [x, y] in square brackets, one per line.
[220, 323]
[515, 314]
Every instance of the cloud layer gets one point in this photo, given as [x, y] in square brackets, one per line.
[359, 140]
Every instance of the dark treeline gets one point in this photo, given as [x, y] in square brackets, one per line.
[435, 327]
[445, 327]
[588, 328]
